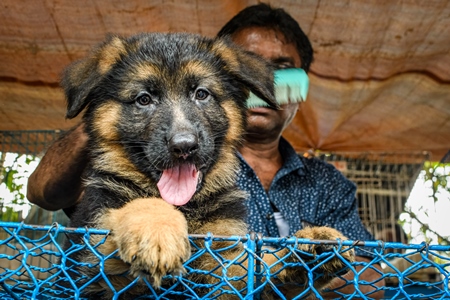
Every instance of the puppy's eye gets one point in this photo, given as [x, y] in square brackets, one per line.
[144, 99]
[201, 94]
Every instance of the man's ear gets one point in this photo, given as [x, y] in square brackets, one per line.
[81, 77]
[250, 69]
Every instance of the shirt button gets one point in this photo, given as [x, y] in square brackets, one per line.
[269, 216]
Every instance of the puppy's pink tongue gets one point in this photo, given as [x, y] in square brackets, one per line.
[178, 184]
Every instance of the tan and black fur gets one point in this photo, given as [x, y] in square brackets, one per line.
[140, 94]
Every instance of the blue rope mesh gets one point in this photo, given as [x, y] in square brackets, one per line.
[36, 267]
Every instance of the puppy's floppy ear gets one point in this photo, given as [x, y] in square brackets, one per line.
[251, 69]
[80, 78]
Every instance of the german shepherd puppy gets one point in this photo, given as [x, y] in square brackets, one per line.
[164, 114]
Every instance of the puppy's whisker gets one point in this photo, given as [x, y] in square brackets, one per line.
[218, 135]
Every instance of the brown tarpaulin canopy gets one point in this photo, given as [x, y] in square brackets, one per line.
[380, 80]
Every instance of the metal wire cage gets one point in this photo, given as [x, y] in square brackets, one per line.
[28, 142]
[40, 269]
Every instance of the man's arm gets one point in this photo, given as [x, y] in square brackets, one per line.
[56, 182]
[344, 216]
[369, 275]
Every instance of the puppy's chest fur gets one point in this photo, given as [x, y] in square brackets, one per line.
[108, 192]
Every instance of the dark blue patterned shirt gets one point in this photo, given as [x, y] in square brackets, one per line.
[305, 191]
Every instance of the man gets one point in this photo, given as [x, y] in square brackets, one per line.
[286, 191]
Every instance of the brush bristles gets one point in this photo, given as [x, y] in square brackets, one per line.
[291, 86]
[288, 94]
[254, 101]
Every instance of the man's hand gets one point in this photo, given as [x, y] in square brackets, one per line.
[369, 275]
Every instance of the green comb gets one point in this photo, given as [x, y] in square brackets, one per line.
[291, 86]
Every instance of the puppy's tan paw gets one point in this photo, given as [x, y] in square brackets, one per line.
[151, 236]
[331, 267]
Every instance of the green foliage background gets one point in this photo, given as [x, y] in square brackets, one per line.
[12, 176]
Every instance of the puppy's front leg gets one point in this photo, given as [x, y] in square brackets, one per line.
[151, 236]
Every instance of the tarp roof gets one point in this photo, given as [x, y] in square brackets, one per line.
[380, 80]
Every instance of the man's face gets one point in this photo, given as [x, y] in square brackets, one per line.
[272, 45]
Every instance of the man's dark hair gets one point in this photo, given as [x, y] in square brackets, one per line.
[263, 15]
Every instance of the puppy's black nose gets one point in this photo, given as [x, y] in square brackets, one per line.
[183, 144]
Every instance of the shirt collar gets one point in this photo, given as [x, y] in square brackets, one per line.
[292, 161]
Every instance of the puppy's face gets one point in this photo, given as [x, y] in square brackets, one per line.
[167, 107]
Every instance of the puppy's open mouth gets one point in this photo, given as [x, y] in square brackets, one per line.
[177, 185]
